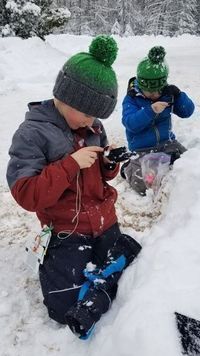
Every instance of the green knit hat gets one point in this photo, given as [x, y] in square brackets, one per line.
[152, 71]
[87, 81]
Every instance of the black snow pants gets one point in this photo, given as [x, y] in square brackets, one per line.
[80, 273]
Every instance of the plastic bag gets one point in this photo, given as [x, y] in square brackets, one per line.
[154, 167]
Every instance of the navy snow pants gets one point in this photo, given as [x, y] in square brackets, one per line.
[73, 297]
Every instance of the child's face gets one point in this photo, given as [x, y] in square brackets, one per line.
[152, 95]
[74, 118]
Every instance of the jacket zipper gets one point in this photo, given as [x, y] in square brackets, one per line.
[156, 131]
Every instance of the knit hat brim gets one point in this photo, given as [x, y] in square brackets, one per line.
[151, 85]
[83, 98]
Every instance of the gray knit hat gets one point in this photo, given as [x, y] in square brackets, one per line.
[87, 81]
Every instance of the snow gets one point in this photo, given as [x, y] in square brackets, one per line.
[12, 6]
[30, 7]
[165, 277]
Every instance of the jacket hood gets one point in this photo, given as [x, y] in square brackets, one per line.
[133, 87]
[45, 111]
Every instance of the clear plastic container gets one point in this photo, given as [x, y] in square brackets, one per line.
[154, 166]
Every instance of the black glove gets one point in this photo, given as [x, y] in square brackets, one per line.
[171, 90]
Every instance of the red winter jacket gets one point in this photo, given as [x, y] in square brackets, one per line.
[56, 189]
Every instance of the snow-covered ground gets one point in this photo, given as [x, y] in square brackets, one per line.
[165, 277]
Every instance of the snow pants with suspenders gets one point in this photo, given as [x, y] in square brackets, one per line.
[132, 172]
[80, 273]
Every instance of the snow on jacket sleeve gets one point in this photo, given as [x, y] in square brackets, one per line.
[134, 118]
[34, 183]
[183, 106]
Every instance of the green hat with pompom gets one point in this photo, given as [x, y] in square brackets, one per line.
[87, 81]
[152, 71]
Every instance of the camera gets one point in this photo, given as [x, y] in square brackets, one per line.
[117, 155]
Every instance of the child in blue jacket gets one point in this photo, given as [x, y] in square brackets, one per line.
[147, 111]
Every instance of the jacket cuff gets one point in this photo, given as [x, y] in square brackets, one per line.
[110, 173]
[110, 166]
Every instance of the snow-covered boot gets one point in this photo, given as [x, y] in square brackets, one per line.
[82, 317]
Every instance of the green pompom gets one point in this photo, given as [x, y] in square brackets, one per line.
[157, 54]
[104, 49]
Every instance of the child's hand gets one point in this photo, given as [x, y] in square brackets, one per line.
[107, 149]
[159, 106]
[86, 156]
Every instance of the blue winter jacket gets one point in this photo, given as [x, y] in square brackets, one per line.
[145, 128]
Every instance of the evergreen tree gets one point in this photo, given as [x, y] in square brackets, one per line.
[165, 17]
[51, 17]
[134, 24]
[30, 18]
[186, 17]
[197, 17]
[116, 28]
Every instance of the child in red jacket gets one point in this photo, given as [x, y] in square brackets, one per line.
[57, 169]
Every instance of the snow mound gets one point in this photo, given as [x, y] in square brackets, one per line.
[140, 213]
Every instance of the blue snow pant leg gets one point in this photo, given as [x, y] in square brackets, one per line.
[101, 287]
[61, 275]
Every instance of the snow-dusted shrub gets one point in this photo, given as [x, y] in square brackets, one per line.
[30, 18]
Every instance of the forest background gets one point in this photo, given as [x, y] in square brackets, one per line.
[91, 17]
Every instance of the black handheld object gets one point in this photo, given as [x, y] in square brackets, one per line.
[119, 154]
[171, 90]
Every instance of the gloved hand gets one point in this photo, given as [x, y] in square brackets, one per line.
[171, 90]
